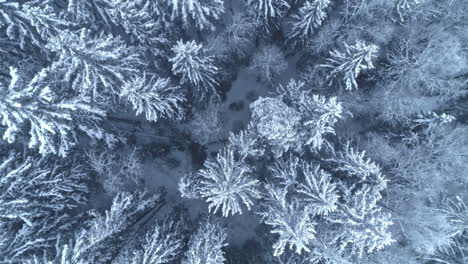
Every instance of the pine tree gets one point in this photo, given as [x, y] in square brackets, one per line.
[268, 11]
[351, 62]
[13, 23]
[206, 245]
[102, 241]
[36, 195]
[189, 185]
[30, 21]
[194, 67]
[306, 191]
[19, 40]
[355, 164]
[53, 124]
[82, 12]
[318, 192]
[426, 127]
[285, 259]
[456, 252]
[245, 143]
[162, 245]
[309, 18]
[325, 250]
[42, 16]
[226, 183]
[290, 221]
[12, 55]
[34, 189]
[326, 113]
[93, 65]
[319, 114]
[457, 215]
[276, 122]
[21, 244]
[364, 227]
[157, 98]
[144, 21]
[405, 7]
[286, 171]
[200, 12]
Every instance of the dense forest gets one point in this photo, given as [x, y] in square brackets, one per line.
[234, 131]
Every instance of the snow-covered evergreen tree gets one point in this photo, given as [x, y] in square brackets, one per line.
[268, 64]
[268, 11]
[290, 221]
[206, 245]
[325, 250]
[201, 12]
[144, 21]
[318, 192]
[456, 213]
[52, 122]
[309, 191]
[162, 245]
[226, 184]
[350, 63]
[286, 171]
[310, 17]
[11, 55]
[12, 21]
[355, 164]
[295, 119]
[30, 21]
[364, 227]
[33, 189]
[21, 244]
[156, 97]
[93, 66]
[425, 128]
[36, 195]
[189, 185]
[194, 67]
[82, 12]
[19, 40]
[326, 112]
[65, 63]
[102, 240]
[454, 253]
[276, 122]
[245, 143]
[405, 7]
[42, 16]
[319, 114]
